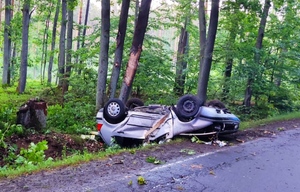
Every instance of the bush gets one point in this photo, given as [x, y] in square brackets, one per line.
[72, 118]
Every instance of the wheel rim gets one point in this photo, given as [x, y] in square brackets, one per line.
[188, 106]
[113, 109]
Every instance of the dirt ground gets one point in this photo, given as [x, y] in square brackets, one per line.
[62, 144]
[83, 175]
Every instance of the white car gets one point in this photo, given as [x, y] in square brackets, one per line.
[126, 124]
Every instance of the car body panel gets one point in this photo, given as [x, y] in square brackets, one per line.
[141, 120]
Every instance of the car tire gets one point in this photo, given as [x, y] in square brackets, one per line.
[187, 106]
[134, 102]
[114, 111]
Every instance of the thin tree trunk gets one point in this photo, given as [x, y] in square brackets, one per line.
[181, 64]
[119, 50]
[7, 45]
[84, 33]
[62, 47]
[79, 30]
[258, 45]
[136, 49]
[69, 52]
[207, 59]
[202, 30]
[103, 60]
[24, 52]
[44, 48]
[53, 42]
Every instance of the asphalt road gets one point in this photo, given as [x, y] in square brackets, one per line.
[267, 164]
[263, 165]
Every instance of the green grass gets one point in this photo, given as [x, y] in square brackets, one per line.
[256, 123]
[52, 165]
[10, 94]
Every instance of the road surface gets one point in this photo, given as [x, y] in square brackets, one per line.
[266, 164]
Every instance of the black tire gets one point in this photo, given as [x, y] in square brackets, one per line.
[134, 102]
[188, 106]
[114, 111]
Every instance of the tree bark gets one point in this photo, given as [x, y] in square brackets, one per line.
[45, 47]
[7, 45]
[136, 49]
[84, 32]
[62, 46]
[258, 46]
[79, 30]
[24, 52]
[207, 59]
[69, 52]
[53, 42]
[119, 50]
[103, 60]
[202, 30]
[181, 64]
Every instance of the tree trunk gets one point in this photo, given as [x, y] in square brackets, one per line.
[53, 42]
[45, 48]
[202, 30]
[62, 47]
[229, 59]
[1, 14]
[258, 45]
[7, 45]
[181, 64]
[119, 50]
[207, 59]
[103, 60]
[83, 33]
[79, 30]
[136, 49]
[24, 52]
[33, 114]
[69, 52]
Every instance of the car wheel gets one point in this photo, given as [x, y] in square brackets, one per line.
[134, 102]
[114, 111]
[188, 106]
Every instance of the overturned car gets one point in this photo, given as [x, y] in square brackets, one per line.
[135, 123]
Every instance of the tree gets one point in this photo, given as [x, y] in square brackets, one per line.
[84, 32]
[136, 49]
[258, 46]
[103, 59]
[181, 62]
[24, 53]
[207, 57]
[53, 42]
[62, 47]
[119, 50]
[79, 29]
[45, 45]
[7, 45]
[69, 47]
[202, 30]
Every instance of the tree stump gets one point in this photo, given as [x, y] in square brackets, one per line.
[33, 114]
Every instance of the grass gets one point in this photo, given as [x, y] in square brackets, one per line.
[52, 165]
[283, 117]
[10, 94]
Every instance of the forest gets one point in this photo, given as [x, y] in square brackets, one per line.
[76, 54]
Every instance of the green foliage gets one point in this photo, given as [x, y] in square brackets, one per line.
[188, 151]
[195, 139]
[153, 160]
[73, 118]
[34, 155]
[141, 180]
